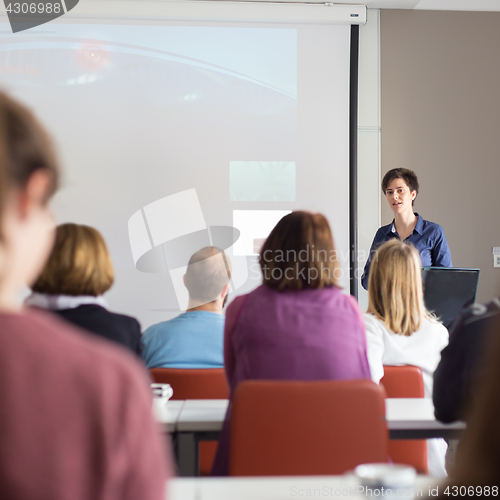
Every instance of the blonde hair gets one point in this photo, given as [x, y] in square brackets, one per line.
[395, 288]
[79, 264]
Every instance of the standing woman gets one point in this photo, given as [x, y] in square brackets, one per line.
[75, 412]
[400, 186]
[399, 330]
[298, 325]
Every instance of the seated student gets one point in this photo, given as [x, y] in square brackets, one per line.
[477, 460]
[298, 325]
[460, 372]
[399, 330]
[79, 271]
[194, 338]
[75, 412]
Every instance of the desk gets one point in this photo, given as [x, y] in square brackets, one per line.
[279, 488]
[413, 418]
[168, 415]
[201, 419]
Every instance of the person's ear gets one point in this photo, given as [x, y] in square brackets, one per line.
[413, 195]
[225, 291]
[35, 193]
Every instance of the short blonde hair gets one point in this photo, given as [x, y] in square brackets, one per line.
[79, 264]
[300, 254]
[395, 287]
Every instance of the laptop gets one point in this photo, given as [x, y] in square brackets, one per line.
[447, 290]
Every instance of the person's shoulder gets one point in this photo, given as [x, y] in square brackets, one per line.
[102, 311]
[433, 226]
[73, 348]
[478, 313]
[162, 327]
[383, 231]
[435, 328]
[374, 325]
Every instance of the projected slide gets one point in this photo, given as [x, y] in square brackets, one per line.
[175, 136]
[254, 227]
[262, 180]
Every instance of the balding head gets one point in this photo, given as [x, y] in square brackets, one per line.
[208, 273]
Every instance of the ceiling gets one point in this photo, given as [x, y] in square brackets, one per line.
[471, 5]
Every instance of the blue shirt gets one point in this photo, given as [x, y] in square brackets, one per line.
[191, 340]
[427, 237]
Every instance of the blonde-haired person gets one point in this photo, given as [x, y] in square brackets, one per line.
[399, 330]
[75, 417]
[79, 271]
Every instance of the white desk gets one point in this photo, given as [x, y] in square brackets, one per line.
[413, 418]
[280, 488]
[202, 415]
[201, 419]
[407, 418]
[168, 415]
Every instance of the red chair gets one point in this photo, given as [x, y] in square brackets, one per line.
[406, 382]
[202, 383]
[306, 428]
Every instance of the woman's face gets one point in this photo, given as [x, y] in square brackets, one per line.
[29, 231]
[399, 196]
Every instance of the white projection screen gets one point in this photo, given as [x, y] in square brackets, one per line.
[171, 134]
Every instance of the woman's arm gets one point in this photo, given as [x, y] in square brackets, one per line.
[377, 241]
[440, 252]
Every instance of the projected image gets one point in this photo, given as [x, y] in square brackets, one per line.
[254, 227]
[165, 234]
[262, 180]
[145, 113]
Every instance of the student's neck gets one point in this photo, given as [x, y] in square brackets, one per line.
[9, 300]
[215, 307]
[406, 220]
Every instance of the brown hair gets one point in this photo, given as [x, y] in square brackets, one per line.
[208, 272]
[395, 287]
[300, 253]
[79, 264]
[24, 148]
[407, 175]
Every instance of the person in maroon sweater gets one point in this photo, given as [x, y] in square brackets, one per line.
[75, 412]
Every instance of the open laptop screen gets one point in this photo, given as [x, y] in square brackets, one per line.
[447, 290]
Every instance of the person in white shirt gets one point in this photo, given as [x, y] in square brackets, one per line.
[399, 330]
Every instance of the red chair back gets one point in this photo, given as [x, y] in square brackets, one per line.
[406, 382]
[306, 428]
[196, 383]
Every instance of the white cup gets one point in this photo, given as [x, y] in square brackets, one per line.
[386, 480]
[161, 393]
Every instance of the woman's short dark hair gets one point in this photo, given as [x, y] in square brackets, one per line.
[409, 176]
[300, 253]
[25, 147]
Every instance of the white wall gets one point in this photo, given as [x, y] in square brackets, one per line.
[369, 130]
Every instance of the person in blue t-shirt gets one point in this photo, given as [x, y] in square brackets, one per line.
[194, 339]
[400, 186]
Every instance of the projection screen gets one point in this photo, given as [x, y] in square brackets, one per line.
[178, 135]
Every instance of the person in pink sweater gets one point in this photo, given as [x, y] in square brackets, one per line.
[75, 412]
[298, 325]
